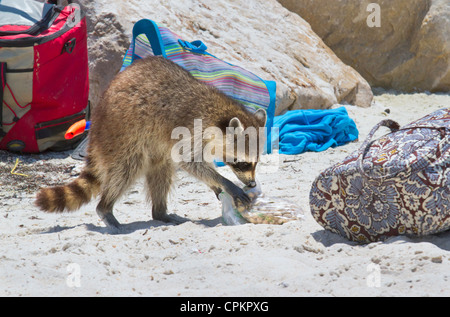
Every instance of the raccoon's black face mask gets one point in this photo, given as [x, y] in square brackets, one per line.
[245, 172]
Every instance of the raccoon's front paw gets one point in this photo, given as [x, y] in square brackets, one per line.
[241, 199]
[217, 191]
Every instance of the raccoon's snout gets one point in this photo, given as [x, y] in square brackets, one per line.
[251, 184]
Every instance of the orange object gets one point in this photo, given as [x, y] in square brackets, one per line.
[76, 129]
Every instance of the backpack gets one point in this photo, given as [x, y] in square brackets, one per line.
[150, 38]
[396, 185]
[43, 74]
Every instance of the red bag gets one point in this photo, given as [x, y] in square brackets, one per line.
[43, 74]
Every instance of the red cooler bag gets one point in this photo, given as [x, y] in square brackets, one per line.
[43, 74]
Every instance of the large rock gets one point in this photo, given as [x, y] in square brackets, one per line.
[409, 51]
[260, 36]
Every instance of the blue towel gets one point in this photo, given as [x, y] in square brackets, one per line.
[314, 130]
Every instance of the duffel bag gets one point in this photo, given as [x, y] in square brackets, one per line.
[398, 184]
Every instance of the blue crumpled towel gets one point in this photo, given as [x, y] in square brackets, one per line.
[313, 130]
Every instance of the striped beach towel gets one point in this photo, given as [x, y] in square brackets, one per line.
[236, 82]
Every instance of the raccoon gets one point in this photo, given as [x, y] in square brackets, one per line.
[131, 137]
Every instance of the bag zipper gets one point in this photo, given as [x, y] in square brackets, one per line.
[39, 26]
[31, 41]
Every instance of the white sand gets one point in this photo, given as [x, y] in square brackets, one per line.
[74, 255]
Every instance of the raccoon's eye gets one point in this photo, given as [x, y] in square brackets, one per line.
[242, 166]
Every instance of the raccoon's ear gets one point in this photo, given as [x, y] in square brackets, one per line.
[261, 115]
[236, 124]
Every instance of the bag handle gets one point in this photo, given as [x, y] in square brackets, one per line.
[151, 31]
[392, 125]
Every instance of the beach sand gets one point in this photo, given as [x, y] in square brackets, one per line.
[73, 254]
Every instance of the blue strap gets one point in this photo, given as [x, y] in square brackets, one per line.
[272, 88]
[194, 46]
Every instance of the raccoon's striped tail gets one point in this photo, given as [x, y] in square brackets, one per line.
[71, 196]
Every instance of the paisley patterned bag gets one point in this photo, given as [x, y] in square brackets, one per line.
[396, 185]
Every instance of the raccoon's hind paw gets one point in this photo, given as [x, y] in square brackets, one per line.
[111, 222]
[173, 218]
